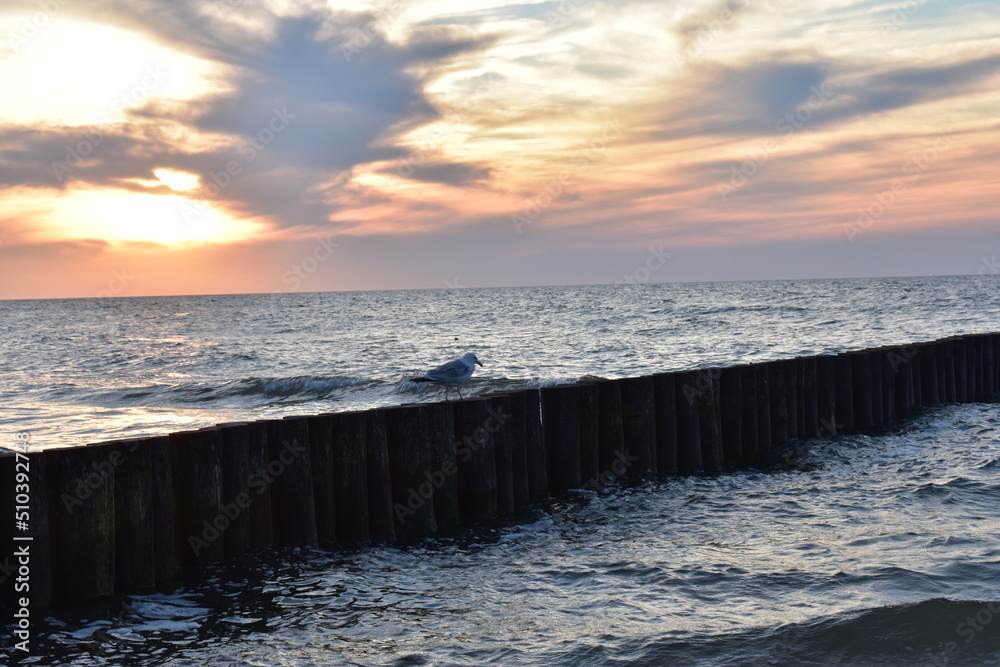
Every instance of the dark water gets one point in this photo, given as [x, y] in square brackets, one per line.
[870, 550]
[881, 549]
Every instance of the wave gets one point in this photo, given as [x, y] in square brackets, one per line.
[261, 391]
[937, 631]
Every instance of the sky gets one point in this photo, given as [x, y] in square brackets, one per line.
[156, 147]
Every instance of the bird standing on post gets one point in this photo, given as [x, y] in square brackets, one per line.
[452, 374]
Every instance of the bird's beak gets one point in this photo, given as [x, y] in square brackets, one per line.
[481, 364]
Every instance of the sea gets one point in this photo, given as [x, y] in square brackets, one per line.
[873, 549]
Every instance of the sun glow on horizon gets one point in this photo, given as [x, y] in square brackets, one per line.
[119, 216]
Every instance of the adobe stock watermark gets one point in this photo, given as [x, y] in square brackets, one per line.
[900, 16]
[704, 380]
[565, 10]
[120, 279]
[793, 121]
[435, 479]
[258, 482]
[251, 147]
[533, 207]
[989, 266]
[904, 356]
[968, 629]
[92, 479]
[912, 171]
[77, 154]
[32, 26]
[601, 481]
[362, 38]
[299, 272]
[708, 32]
[656, 260]
[22, 541]
[425, 151]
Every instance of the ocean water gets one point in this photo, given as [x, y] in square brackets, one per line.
[84, 370]
[875, 549]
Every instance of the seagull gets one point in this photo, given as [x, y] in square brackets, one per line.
[452, 374]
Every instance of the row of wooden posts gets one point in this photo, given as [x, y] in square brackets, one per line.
[128, 515]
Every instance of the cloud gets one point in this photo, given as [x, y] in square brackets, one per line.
[451, 173]
[899, 87]
[309, 98]
[710, 21]
[762, 97]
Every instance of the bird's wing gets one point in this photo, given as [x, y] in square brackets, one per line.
[449, 372]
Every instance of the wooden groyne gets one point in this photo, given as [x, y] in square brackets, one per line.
[127, 515]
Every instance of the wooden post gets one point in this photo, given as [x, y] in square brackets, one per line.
[779, 403]
[929, 377]
[8, 558]
[260, 529]
[133, 498]
[994, 345]
[665, 406]
[731, 399]
[197, 468]
[166, 551]
[503, 453]
[901, 362]
[639, 423]
[996, 364]
[477, 475]
[8, 561]
[516, 425]
[293, 506]
[844, 399]
[876, 359]
[81, 484]
[975, 367]
[381, 523]
[589, 435]
[321, 458]
[441, 434]
[960, 352]
[794, 391]
[750, 430]
[538, 484]
[689, 453]
[826, 380]
[27, 469]
[894, 364]
[990, 364]
[762, 381]
[350, 477]
[710, 420]
[411, 467]
[861, 370]
[810, 395]
[897, 376]
[980, 366]
[237, 501]
[949, 373]
[611, 435]
[916, 387]
[797, 385]
[969, 345]
[561, 424]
